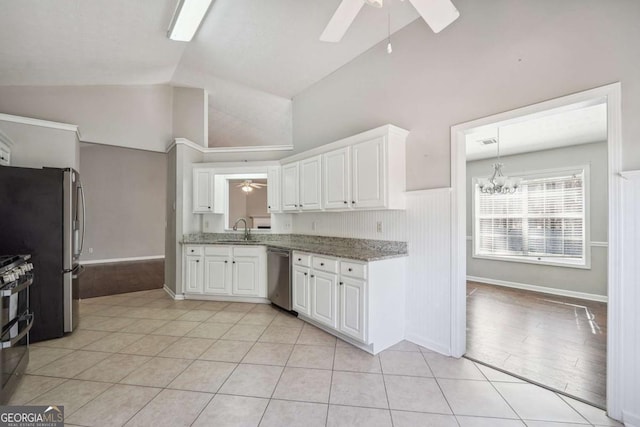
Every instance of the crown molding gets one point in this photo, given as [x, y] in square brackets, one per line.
[41, 123]
[246, 149]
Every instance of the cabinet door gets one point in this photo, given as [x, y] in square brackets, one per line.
[301, 295]
[246, 275]
[368, 174]
[352, 308]
[217, 275]
[290, 187]
[273, 189]
[194, 274]
[324, 298]
[202, 190]
[311, 183]
[336, 179]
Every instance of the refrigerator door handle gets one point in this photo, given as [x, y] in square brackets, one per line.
[84, 218]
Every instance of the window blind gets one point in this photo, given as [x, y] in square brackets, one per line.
[545, 217]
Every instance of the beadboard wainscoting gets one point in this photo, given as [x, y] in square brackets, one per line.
[630, 314]
[355, 225]
[428, 289]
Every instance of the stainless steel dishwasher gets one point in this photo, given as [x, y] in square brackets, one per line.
[279, 274]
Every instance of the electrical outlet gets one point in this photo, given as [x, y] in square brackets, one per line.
[379, 226]
[206, 225]
[90, 250]
[313, 226]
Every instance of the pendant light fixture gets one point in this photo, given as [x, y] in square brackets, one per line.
[498, 183]
[389, 47]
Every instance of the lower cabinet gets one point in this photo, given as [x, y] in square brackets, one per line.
[226, 270]
[360, 302]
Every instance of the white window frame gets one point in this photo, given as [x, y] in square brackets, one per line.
[583, 263]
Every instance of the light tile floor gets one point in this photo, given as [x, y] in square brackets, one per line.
[142, 359]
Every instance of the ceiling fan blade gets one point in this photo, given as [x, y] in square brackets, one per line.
[341, 20]
[437, 13]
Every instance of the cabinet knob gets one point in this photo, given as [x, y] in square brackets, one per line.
[313, 275]
[299, 259]
[350, 269]
[345, 202]
[305, 274]
[234, 262]
[322, 264]
[300, 205]
[197, 260]
[269, 207]
[225, 261]
[341, 283]
[209, 207]
[353, 202]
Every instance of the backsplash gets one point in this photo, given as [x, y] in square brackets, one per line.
[356, 225]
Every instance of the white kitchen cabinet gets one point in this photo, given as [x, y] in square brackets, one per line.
[246, 278]
[301, 297]
[361, 302]
[324, 298]
[290, 187]
[364, 171]
[194, 274]
[217, 271]
[226, 271]
[352, 307]
[368, 174]
[311, 183]
[274, 188]
[336, 179]
[203, 190]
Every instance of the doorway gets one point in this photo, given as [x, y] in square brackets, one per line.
[611, 95]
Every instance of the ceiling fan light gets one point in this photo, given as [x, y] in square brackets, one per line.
[247, 188]
[187, 19]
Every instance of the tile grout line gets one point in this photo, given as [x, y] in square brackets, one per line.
[440, 388]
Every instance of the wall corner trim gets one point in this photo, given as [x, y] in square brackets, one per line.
[173, 295]
[41, 123]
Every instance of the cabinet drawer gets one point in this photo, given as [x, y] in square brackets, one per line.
[353, 269]
[217, 250]
[248, 250]
[193, 250]
[325, 264]
[302, 259]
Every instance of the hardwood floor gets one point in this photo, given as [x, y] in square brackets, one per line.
[121, 277]
[555, 341]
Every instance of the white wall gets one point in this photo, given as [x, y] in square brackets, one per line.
[126, 116]
[356, 225]
[37, 146]
[591, 281]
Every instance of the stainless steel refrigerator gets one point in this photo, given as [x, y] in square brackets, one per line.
[42, 213]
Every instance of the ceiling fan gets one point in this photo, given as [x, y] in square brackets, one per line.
[437, 13]
[248, 185]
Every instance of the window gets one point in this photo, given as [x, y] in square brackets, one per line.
[544, 222]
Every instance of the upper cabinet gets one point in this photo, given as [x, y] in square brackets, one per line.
[310, 183]
[336, 175]
[290, 185]
[365, 171]
[274, 189]
[203, 186]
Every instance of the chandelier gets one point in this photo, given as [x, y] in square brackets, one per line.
[498, 183]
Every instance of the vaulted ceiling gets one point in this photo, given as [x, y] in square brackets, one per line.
[271, 46]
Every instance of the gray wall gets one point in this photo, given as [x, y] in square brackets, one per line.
[37, 146]
[128, 116]
[125, 191]
[499, 55]
[190, 112]
[591, 281]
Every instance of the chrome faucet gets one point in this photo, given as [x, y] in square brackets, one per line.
[246, 229]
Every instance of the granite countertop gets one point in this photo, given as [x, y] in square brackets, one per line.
[356, 249]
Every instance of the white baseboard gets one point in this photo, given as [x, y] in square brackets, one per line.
[172, 294]
[630, 419]
[113, 260]
[254, 300]
[542, 289]
[428, 344]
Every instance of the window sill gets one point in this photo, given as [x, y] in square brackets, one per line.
[580, 264]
